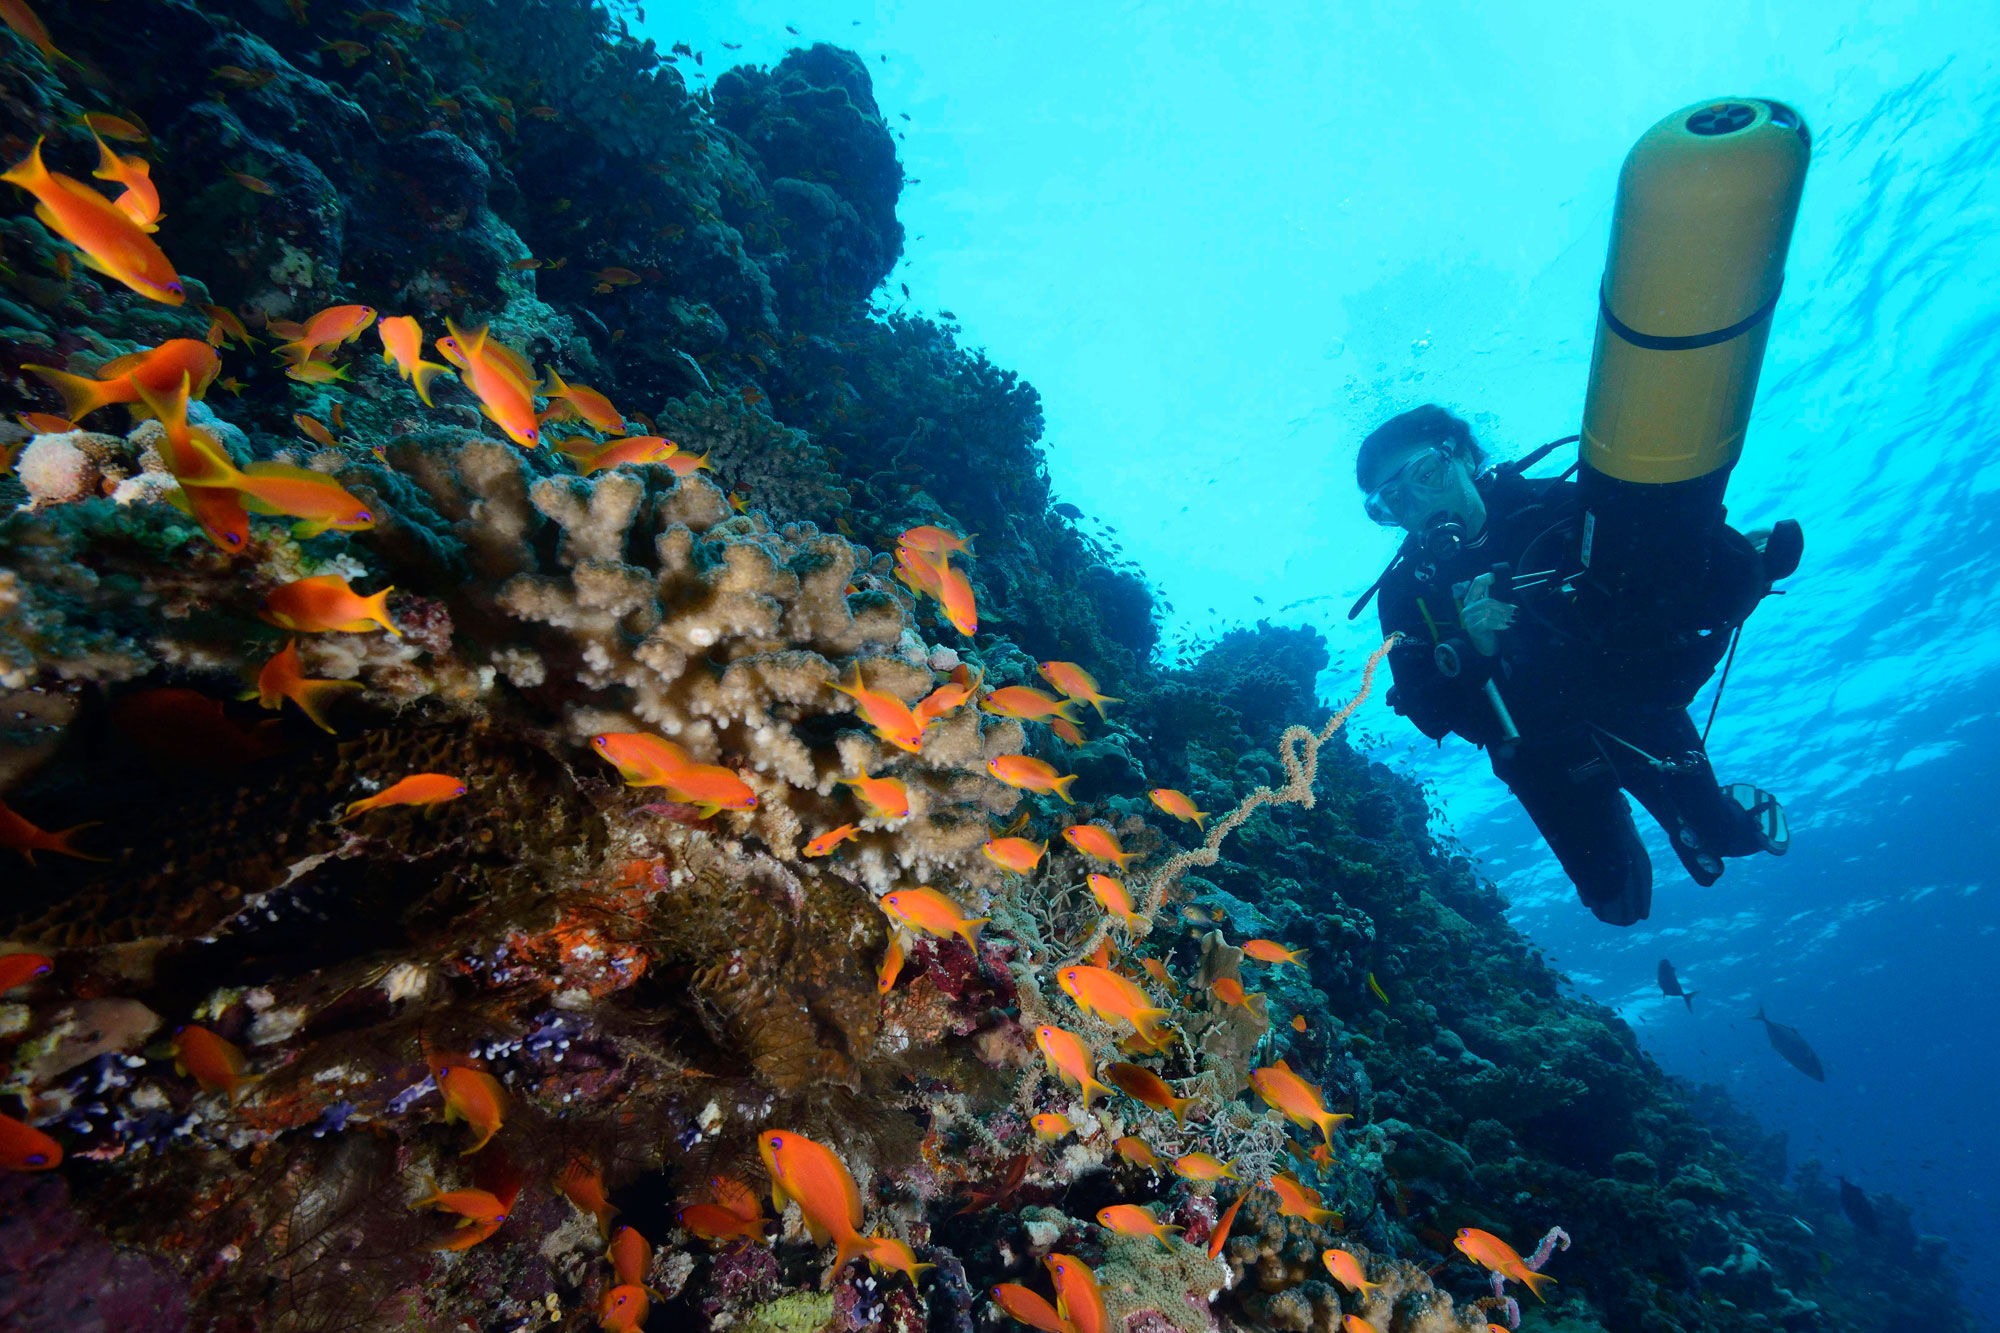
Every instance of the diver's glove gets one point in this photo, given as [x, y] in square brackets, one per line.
[1482, 616]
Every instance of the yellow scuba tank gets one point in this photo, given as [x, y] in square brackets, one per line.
[1706, 204]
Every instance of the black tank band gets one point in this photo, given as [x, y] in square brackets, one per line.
[1692, 341]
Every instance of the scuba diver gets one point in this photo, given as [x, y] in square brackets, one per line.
[1572, 719]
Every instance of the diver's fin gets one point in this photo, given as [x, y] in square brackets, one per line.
[1774, 832]
[1783, 549]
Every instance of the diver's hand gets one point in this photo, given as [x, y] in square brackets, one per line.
[1483, 617]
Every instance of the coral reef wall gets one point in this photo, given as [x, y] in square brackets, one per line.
[320, 1049]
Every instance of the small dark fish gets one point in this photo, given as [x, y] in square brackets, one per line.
[1671, 985]
[1854, 1202]
[1787, 1042]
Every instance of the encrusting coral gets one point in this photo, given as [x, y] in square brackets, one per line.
[720, 782]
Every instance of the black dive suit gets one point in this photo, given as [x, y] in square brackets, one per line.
[1591, 721]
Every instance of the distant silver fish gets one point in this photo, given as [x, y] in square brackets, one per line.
[1787, 1042]
[1671, 985]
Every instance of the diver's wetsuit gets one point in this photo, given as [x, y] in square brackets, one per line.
[1584, 714]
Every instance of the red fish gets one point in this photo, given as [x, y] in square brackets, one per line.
[623, 1309]
[111, 242]
[713, 1222]
[1348, 1271]
[1018, 1302]
[482, 1213]
[417, 789]
[1129, 1219]
[1098, 841]
[25, 1148]
[25, 838]
[403, 346]
[587, 403]
[1142, 1084]
[1100, 991]
[1078, 1299]
[27, 24]
[889, 1255]
[1068, 1056]
[158, 371]
[332, 327]
[1177, 804]
[1073, 681]
[1270, 951]
[180, 729]
[948, 697]
[213, 1062]
[283, 677]
[1298, 1100]
[1489, 1251]
[141, 200]
[934, 541]
[889, 716]
[583, 1186]
[498, 379]
[1024, 702]
[1116, 900]
[1298, 1199]
[884, 798]
[1016, 854]
[1031, 774]
[630, 1257]
[1138, 1152]
[925, 909]
[324, 603]
[956, 596]
[18, 969]
[473, 1096]
[635, 449]
[810, 1175]
[1220, 1236]
[824, 844]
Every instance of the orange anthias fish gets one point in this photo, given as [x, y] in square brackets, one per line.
[1031, 774]
[1098, 841]
[892, 964]
[925, 909]
[1078, 1300]
[1270, 951]
[1018, 1302]
[1298, 1199]
[1299, 1101]
[1348, 1272]
[1016, 854]
[955, 595]
[1112, 896]
[889, 1255]
[417, 789]
[635, 449]
[28, 26]
[1157, 970]
[195, 459]
[1066, 729]
[1100, 991]
[1138, 1152]
[1489, 1251]
[319, 502]
[587, 403]
[128, 379]
[653, 761]
[473, 1096]
[1220, 1236]
[889, 716]
[1051, 1125]
[824, 844]
[810, 1175]
[685, 465]
[1298, 1022]
[225, 326]
[481, 1212]
[18, 969]
[19, 835]
[631, 1256]
[1068, 1056]
[1129, 1219]
[283, 677]
[1230, 991]
[884, 798]
[111, 242]
[1142, 1084]
[45, 423]
[934, 541]
[1203, 1166]
[949, 697]
[403, 346]
[141, 200]
[326, 604]
[213, 1062]
[736, 1196]
[334, 326]
[1177, 804]
[1354, 1323]
[583, 1185]
[499, 379]
[1024, 702]
[624, 1308]
[713, 1222]
[315, 430]
[25, 1148]
[919, 572]
[1073, 681]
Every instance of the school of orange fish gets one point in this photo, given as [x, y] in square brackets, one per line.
[114, 237]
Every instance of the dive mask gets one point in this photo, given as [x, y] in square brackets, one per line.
[1426, 476]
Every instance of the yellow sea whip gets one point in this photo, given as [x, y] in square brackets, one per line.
[1298, 750]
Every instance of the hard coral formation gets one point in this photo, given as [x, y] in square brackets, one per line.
[619, 985]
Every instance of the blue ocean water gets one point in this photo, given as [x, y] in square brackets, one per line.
[1224, 242]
